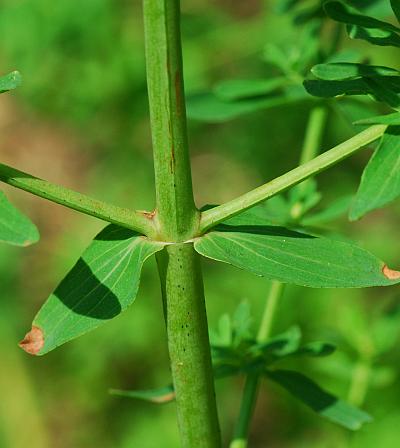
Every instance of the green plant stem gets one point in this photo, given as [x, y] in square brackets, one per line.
[178, 220]
[271, 305]
[189, 348]
[253, 380]
[247, 406]
[176, 213]
[312, 141]
[314, 133]
[139, 221]
[214, 216]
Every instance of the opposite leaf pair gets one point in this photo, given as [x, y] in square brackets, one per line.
[105, 280]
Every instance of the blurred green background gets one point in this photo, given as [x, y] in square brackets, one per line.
[81, 119]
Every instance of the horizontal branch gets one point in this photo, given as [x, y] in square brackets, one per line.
[214, 216]
[107, 212]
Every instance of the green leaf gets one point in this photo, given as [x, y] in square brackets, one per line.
[292, 257]
[209, 107]
[320, 401]
[10, 82]
[237, 89]
[395, 4]
[102, 284]
[15, 228]
[329, 89]
[390, 119]
[282, 344]
[346, 14]
[381, 88]
[345, 70]
[316, 349]
[380, 182]
[375, 36]
[161, 395]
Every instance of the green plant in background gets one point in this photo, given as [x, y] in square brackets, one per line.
[380, 183]
[240, 232]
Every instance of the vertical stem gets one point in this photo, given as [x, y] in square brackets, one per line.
[252, 383]
[275, 294]
[177, 215]
[312, 141]
[314, 133]
[246, 411]
[189, 348]
[177, 220]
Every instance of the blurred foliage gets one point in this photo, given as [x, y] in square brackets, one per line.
[84, 79]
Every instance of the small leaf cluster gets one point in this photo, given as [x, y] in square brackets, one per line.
[235, 348]
[380, 183]
[235, 351]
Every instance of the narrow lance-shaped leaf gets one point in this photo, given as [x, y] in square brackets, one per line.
[161, 395]
[380, 182]
[347, 14]
[237, 89]
[374, 36]
[209, 107]
[337, 71]
[316, 349]
[320, 401]
[102, 284]
[329, 89]
[15, 228]
[10, 82]
[292, 257]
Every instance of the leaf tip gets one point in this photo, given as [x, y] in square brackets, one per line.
[33, 341]
[16, 76]
[166, 398]
[390, 274]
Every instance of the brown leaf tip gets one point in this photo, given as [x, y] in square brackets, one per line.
[390, 273]
[33, 341]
